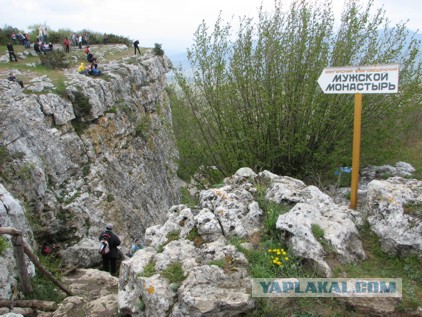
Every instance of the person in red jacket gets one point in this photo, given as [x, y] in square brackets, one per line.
[66, 43]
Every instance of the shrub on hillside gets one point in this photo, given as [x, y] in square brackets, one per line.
[55, 59]
[158, 50]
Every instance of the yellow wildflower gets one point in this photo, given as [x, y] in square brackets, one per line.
[286, 258]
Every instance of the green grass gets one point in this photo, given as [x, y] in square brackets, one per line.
[149, 270]
[174, 273]
[43, 288]
[382, 264]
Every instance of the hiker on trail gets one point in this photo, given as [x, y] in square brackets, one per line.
[110, 259]
[13, 78]
[135, 247]
[74, 39]
[136, 45]
[11, 51]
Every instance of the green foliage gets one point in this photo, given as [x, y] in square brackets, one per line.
[158, 50]
[110, 198]
[149, 269]
[86, 170]
[112, 110]
[5, 33]
[414, 209]
[81, 104]
[79, 126]
[3, 245]
[188, 199]
[143, 127]
[43, 288]
[254, 99]
[55, 59]
[381, 264]
[172, 236]
[317, 231]
[219, 263]
[174, 273]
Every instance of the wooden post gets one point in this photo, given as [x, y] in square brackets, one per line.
[356, 150]
[44, 271]
[21, 248]
[24, 278]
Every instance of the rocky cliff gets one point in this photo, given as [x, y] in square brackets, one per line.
[98, 150]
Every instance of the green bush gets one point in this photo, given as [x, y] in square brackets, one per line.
[158, 50]
[43, 288]
[253, 98]
[81, 104]
[55, 59]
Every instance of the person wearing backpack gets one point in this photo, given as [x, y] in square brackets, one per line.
[110, 258]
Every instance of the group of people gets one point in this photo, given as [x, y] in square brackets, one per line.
[93, 68]
[110, 259]
[42, 47]
[23, 39]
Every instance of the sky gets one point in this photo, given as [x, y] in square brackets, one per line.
[170, 23]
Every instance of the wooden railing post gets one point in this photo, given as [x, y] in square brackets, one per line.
[24, 278]
[20, 249]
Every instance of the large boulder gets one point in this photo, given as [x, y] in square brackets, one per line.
[143, 291]
[392, 207]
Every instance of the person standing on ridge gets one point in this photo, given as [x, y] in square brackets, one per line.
[11, 51]
[110, 259]
[136, 45]
[66, 43]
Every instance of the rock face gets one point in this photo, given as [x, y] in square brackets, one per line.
[12, 215]
[98, 150]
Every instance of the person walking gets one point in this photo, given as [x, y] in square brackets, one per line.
[136, 45]
[11, 51]
[110, 259]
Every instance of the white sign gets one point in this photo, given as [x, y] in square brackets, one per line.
[376, 79]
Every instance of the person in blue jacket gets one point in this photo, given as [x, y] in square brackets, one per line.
[135, 247]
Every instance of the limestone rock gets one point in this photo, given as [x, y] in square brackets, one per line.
[12, 214]
[95, 294]
[340, 234]
[400, 232]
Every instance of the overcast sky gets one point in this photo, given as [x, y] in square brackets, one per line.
[168, 22]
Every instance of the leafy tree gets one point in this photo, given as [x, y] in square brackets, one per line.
[253, 99]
